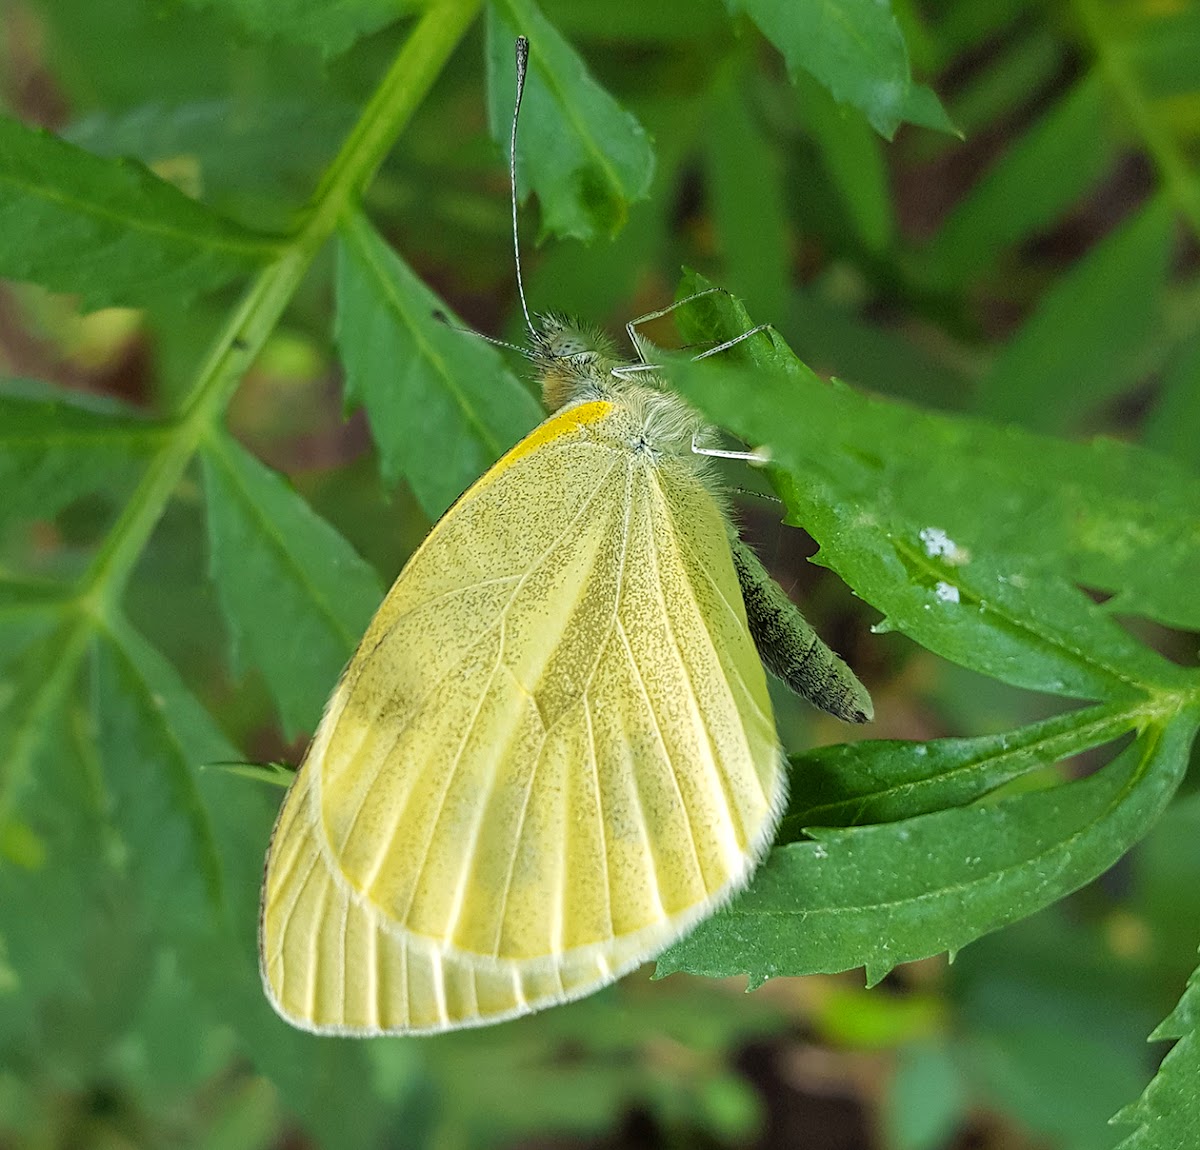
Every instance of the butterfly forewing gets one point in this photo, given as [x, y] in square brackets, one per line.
[553, 752]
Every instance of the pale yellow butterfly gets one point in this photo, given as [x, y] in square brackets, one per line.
[553, 750]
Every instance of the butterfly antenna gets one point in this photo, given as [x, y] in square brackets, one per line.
[522, 67]
[443, 318]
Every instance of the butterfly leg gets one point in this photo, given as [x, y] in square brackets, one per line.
[633, 324]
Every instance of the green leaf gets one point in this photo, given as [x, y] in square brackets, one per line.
[38, 696]
[881, 895]
[963, 26]
[331, 27]
[229, 819]
[927, 1097]
[164, 1048]
[667, 22]
[1173, 426]
[585, 156]
[1052, 1000]
[110, 230]
[748, 200]
[443, 407]
[323, 1086]
[923, 108]
[57, 445]
[884, 780]
[1185, 1018]
[1024, 62]
[1008, 616]
[295, 593]
[853, 47]
[1089, 334]
[1165, 891]
[1165, 52]
[28, 610]
[853, 156]
[885, 360]
[276, 147]
[54, 849]
[153, 798]
[1092, 512]
[125, 54]
[110, 795]
[280, 775]
[1044, 172]
[1168, 1114]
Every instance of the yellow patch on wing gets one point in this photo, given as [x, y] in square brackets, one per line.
[551, 754]
[562, 423]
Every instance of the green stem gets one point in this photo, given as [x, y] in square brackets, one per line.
[408, 80]
[1181, 183]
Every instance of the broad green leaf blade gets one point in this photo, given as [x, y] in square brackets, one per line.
[1185, 1018]
[57, 445]
[853, 156]
[28, 607]
[1165, 887]
[53, 844]
[885, 780]
[1164, 51]
[924, 108]
[964, 26]
[881, 895]
[1006, 617]
[153, 798]
[1048, 1001]
[928, 1097]
[272, 147]
[1011, 617]
[1168, 1114]
[1047, 169]
[229, 821]
[585, 156]
[826, 333]
[125, 54]
[40, 688]
[295, 593]
[666, 23]
[323, 1087]
[749, 203]
[1090, 511]
[1087, 338]
[1173, 426]
[443, 406]
[853, 47]
[110, 230]
[1025, 61]
[331, 27]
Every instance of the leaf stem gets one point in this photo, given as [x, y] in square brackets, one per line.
[405, 85]
[407, 82]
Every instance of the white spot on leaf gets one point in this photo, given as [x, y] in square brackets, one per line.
[946, 592]
[939, 545]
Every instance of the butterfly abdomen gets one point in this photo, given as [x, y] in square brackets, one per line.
[791, 649]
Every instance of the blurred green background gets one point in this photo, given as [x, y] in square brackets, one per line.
[1043, 269]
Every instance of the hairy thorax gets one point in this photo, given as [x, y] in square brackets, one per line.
[577, 365]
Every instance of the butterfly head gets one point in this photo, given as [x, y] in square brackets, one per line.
[573, 361]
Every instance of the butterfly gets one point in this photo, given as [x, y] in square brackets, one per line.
[554, 750]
